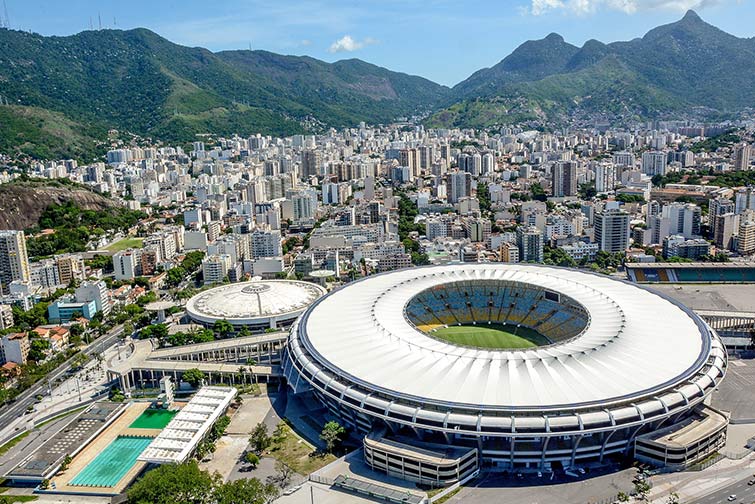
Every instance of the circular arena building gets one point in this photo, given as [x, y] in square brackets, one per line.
[510, 365]
[256, 305]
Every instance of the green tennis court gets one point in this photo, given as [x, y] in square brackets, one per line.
[500, 336]
[107, 469]
[153, 419]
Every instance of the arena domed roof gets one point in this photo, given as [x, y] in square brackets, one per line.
[254, 302]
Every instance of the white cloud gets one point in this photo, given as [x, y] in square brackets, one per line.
[348, 44]
[582, 7]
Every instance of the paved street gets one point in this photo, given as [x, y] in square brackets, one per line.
[13, 417]
[744, 493]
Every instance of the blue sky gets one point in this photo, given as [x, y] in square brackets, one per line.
[443, 40]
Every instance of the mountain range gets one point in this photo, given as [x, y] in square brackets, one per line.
[63, 94]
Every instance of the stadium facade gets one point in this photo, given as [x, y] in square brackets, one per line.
[624, 373]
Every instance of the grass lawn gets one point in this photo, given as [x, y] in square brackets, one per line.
[124, 243]
[297, 452]
[491, 336]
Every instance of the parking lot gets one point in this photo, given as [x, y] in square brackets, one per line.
[592, 488]
[736, 393]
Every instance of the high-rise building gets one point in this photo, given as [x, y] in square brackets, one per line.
[125, 264]
[726, 228]
[742, 157]
[14, 262]
[612, 230]
[564, 179]
[530, 242]
[746, 237]
[215, 268]
[654, 163]
[605, 177]
[6, 316]
[716, 207]
[488, 163]
[459, 186]
[744, 199]
[410, 159]
[625, 159]
[684, 219]
[14, 347]
[266, 243]
[70, 267]
[310, 163]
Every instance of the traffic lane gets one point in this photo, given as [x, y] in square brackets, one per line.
[745, 493]
[28, 397]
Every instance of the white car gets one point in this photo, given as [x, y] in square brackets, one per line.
[731, 498]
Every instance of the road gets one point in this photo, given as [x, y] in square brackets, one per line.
[744, 492]
[27, 398]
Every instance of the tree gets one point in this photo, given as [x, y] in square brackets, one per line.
[332, 434]
[175, 484]
[128, 329]
[246, 491]
[252, 459]
[66, 463]
[223, 328]
[283, 473]
[38, 350]
[193, 377]
[259, 438]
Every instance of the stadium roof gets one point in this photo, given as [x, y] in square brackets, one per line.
[250, 302]
[637, 343]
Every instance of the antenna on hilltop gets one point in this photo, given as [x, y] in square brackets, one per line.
[91, 26]
[7, 17]
[99, 18]
[115, 23]
[250, 45]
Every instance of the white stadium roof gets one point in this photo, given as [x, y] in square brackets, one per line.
[183, 433]
[637, 343]
[253, 302]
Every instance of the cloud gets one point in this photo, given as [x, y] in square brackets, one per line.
[348, 44]
[583, 7]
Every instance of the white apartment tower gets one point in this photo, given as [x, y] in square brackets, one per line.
[14, 262]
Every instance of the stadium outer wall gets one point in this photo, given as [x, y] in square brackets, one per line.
[513, 438]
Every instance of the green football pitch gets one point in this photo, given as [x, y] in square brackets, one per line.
[501, 336]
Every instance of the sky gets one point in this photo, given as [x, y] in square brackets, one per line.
[442, 40]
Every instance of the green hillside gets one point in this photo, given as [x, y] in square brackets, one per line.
[139, 82]
[677, 67]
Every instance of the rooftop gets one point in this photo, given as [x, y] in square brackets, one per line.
[360, 332]
[247, 302]
[184, 432]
